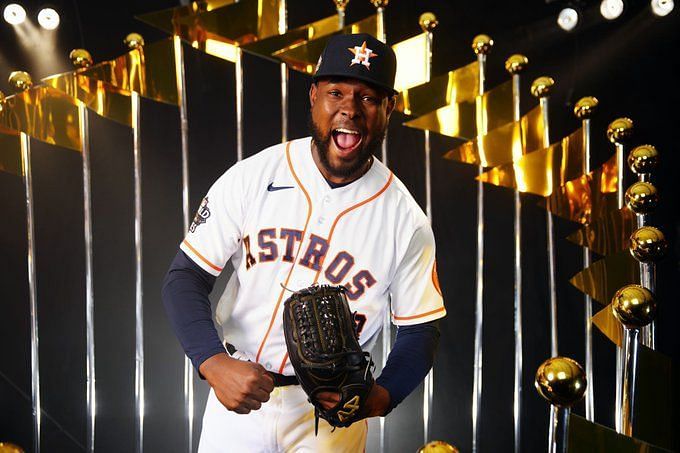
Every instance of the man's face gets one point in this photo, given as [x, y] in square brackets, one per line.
[348, 122]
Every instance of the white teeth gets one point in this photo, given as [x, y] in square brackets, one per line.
[346, 131]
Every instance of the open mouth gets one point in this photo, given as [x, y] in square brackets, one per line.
[346, 140]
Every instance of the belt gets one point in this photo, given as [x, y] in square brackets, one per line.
[280, 380]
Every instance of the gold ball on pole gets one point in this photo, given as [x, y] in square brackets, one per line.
[133, 41]
[6, 447]
[482, 44]
[585, 107]
[620, 130]
[561, 381]
[643, 159]
[648, 244]
[437, 446]
[20, 80]
[542, 86]
[428, 22]
[634, 306]
[340, 5]
[642, 198]
[380, 3]
[80, 58]
[516, 63]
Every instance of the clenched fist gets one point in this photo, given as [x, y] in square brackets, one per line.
[240, 386]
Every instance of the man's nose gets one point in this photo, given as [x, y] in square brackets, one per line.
[350, 107]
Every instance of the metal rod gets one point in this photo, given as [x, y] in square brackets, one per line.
[341, 17]
[559, 429]
[618, 396]
[646, 277]
[590, 395]
[381, 25]
[239, 104]
[91, 397]
[517, 394]
[184, 129]
[630, 354]
[36, 408]
[550, 231]
[139, 313]
[479, 285]
[283, 27]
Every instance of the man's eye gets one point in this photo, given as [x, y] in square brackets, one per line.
[334, 93]
[370, 99]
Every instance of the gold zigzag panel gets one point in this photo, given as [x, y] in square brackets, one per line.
[608, 234]
[539, 172]
[167, 19]
[507, 143]
[603, 278]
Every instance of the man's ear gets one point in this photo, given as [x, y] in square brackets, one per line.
[312, 94]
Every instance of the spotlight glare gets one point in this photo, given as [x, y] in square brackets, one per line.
[48, 18]
[611, 9]
[567, 19]
[662, 7]
[14, 14]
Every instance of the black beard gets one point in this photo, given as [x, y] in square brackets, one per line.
[322, 142]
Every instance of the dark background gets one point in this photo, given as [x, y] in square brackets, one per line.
[630, 64]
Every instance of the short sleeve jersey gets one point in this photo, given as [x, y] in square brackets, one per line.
[283, 228]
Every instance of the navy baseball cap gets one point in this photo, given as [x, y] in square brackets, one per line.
[359, 56]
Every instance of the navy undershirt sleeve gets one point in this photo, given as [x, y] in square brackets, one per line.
[185, 296]
[410, 360]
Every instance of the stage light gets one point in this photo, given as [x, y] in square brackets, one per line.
[48, 18]
[14, 14]
[662, 7]
[611, 9]
[567, 19]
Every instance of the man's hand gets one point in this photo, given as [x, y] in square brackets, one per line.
[239, 385]
[376, 405]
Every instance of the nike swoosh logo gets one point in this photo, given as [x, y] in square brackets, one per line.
[272, 188]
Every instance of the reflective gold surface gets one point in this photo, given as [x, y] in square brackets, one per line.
[437, 446]
[653, 418]
[561, 381]
[634, 306]
[608, 234]
[607, 323]
[648, 244]
[10, 151]
[147, 70]
[603, 278]
[45, 114]
[409, 52]
[620, 130]
[542, 86]
[167, 19]
[220, 31]
[585, 436]
[507, 143]
[585, 107]
[516, 63]
[642, 198]
[133, 41]
[539, 172]
[2, 101]
[266, 47]
[304, 57]
[457, 86]
[7, 447]
[103, 98]
[643, 159]
[482, 44]
[80, 58]
[20, 80]
[428, 22]
[586, 198]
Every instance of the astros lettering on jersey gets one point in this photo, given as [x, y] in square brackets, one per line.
[283, 228]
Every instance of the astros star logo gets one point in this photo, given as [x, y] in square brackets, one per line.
[362, 55]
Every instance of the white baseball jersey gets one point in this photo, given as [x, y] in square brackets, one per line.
[284, 228]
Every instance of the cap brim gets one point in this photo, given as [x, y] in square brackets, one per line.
[368, 80]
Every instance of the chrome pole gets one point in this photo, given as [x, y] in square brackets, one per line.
[283, 27]
[139, 310]
[89, 289]
[180, 78]
[481, 45]
[239, 103]
[630, 355]
[25, 143]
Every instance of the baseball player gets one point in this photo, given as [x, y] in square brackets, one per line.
[319, 209]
